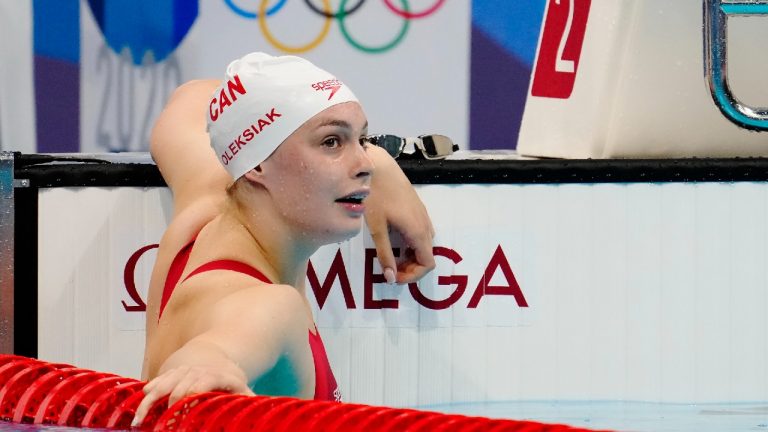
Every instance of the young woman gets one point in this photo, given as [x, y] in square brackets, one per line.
[227, 308]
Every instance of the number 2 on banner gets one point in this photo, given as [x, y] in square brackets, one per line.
[560, 48]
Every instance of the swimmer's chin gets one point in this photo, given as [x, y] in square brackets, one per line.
[342, 236]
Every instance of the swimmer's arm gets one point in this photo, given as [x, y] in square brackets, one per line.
[393, 202]
[180, 146]
[248, 332]
[198, 367]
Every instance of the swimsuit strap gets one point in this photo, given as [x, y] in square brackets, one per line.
[180, 263]
[174, 274]
[232, 265]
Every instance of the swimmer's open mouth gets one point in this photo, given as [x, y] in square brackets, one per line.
[353, 198]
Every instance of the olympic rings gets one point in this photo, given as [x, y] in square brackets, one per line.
[341, 15]
[341, 11]
[406, 14]
[248, 14]
[373, 50]
[289, 49]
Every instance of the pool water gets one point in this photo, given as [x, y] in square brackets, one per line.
[625, 416]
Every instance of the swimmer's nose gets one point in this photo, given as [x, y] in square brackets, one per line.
[364, 167]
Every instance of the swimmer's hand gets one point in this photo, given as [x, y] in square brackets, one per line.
[393, 202]
[184, 381]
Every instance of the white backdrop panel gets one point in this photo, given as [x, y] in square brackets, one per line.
[649, 292]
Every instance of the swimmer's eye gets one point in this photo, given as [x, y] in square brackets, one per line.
[364, 141]
[332, 142]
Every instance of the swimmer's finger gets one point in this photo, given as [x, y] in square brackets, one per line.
[150, 386]
[143, 408]
[416, 266]
[411, 273]
[155, 390]
[424, 253]
[182, 389]
[385, 255]
[420, 259]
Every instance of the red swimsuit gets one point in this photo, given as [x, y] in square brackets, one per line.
[325, 383]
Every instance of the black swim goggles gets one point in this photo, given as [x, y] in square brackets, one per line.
[428, 146]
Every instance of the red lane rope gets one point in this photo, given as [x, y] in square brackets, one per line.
[37, 392]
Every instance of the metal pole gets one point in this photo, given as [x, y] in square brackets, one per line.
[716, 14]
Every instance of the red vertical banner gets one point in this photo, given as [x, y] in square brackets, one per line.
[560, 48]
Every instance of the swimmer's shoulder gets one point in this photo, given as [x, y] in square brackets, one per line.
[188, 222]
[195, 89]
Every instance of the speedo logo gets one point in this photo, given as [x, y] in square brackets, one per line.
[333, 85]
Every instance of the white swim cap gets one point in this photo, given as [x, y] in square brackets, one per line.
[262, 100]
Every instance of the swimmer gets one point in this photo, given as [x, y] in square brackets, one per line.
[227, 308]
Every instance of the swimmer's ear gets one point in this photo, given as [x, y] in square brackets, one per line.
[255, 175]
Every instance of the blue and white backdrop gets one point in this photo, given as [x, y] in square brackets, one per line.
[91, 75]
[555, 78]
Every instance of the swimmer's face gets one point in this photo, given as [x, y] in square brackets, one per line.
[320, 175]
